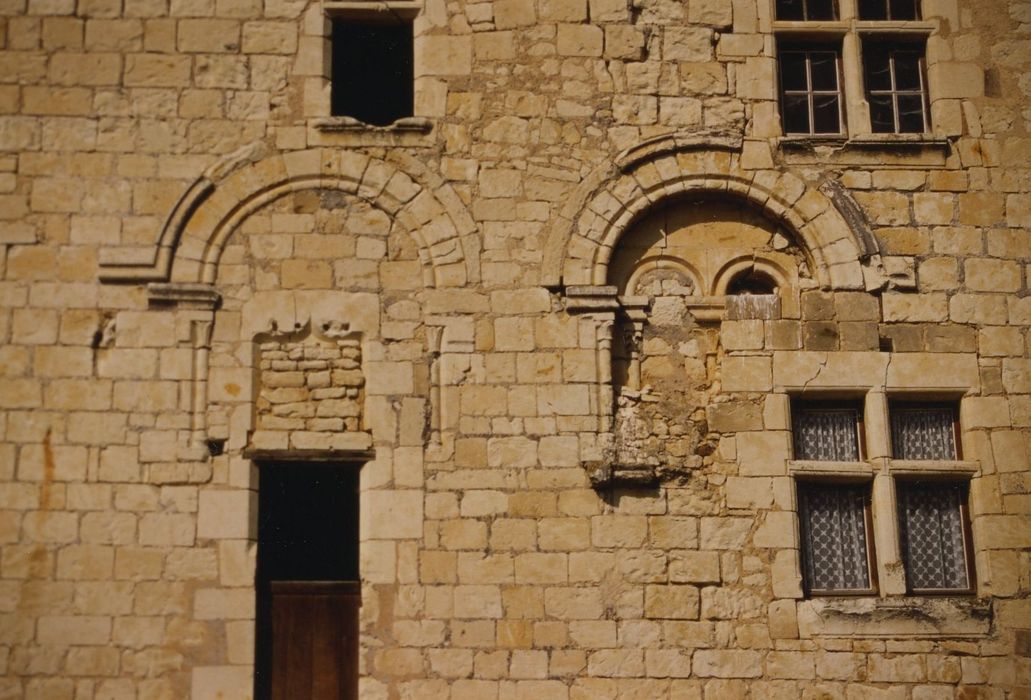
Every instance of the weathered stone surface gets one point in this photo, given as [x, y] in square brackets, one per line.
[557, 318]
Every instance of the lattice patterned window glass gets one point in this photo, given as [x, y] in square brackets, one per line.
[835, 527]
[934, 536]
[895, 87]
[922, 431]
[827, 431]
[806, 10]
[810, 89]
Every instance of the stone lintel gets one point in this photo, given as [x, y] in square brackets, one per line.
[344, 457]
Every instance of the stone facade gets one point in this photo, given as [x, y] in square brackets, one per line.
[517, 311]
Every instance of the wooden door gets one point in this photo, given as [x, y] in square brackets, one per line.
[308, 588]
[314, 640]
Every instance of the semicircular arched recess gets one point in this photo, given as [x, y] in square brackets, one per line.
[581, 242]
[204, 219]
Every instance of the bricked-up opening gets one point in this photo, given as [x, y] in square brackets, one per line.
[373, 69]
[307, 582]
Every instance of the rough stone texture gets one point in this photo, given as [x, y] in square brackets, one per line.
[582, 483]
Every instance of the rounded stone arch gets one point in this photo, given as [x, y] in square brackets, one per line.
[580, 244]
[431, 212]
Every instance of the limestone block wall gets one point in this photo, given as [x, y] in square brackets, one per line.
[170, 184]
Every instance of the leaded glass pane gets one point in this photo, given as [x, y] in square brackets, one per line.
[826, 433]
[834, 541]
[932, 537]
[923, 432]
[790, 10]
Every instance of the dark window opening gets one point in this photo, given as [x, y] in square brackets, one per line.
[810, 89]
[934, 536]
[373, 74]
[307, 582]
[806, 10]
[837, 551]
[827, 430]
[752, 282]
[924, 431]
[896, 10]
[896, 89]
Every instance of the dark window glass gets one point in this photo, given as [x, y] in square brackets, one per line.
[824, 70]
[877, 66]
[907, 70]
[793, 72]
[796, 114]
[933, 534]
[826, 431]
[911, 114]
[790, 10]
[826, 114]
[873, 9]
[800, 10]
[895, 87]
[373, 71]
[811, 89]
[882, 116]
[897, 10]
[834, 521]
[923, 431]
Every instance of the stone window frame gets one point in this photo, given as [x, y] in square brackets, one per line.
[850, 31]
[879, 468]
[315, 64]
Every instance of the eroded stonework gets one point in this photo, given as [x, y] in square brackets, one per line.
[562, 321]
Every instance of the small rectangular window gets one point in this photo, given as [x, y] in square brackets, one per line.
[896, 10]
[934, 534]
[373, 70]
[827, 431]
[806, 10]
[810, 89]
[895, 87]
[924, 431]
[835, 527]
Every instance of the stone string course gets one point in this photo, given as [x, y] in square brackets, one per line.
[572, 146]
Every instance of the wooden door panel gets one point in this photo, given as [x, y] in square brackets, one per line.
[314, 640]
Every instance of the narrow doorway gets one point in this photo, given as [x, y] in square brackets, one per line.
[308, 589]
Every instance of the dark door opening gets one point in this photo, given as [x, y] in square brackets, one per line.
[307, 582]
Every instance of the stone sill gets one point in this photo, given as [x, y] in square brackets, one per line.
[865, 141]
[799, 467]
[928, 617]
[841, 27]
[932, 467]
[906, 150]
[348, 131]
[420, 125]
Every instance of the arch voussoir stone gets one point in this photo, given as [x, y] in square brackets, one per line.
[580, 243]
[212, 210]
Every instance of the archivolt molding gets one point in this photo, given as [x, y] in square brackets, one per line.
[584, 236]
[214, 206]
